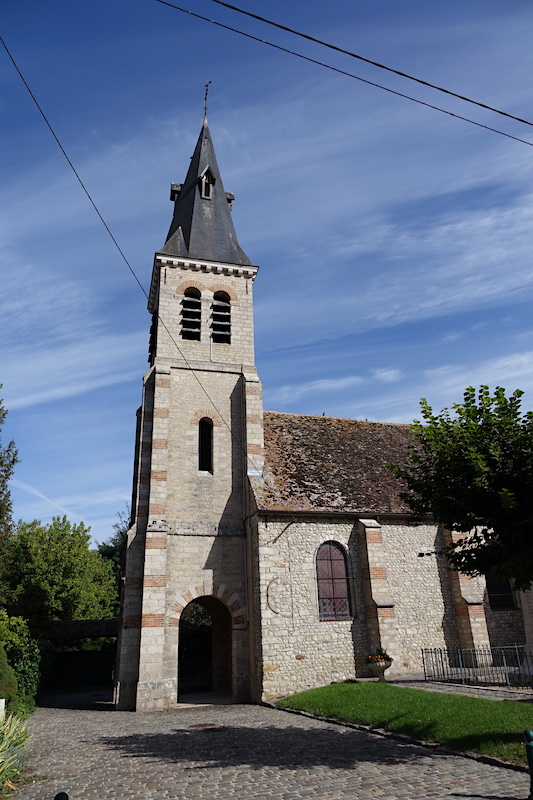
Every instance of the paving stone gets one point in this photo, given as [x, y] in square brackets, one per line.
[250, 752]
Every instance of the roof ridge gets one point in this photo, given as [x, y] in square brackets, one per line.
[344, 419]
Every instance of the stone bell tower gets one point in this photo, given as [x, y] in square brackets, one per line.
[199, 434]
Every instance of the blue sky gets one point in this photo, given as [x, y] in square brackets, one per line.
[395, 243]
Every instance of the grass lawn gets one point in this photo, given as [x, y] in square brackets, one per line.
[489, 727]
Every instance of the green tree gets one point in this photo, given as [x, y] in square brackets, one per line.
[8, 459]
[49, 572]
[473, 472]
[113, 550]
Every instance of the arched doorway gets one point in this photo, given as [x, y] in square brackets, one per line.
[204, 651]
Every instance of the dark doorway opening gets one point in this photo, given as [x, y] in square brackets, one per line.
[81, 679]
[204, 652]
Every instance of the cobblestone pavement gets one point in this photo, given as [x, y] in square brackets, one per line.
[488, 692]
[236, 751]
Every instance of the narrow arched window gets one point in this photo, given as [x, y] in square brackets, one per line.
[153, 339]
[191, 314]
[332, 579]
[205, 445]
[221, 318]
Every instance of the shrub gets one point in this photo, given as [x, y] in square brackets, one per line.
[13, 737]
[24, 657]
[8, 684]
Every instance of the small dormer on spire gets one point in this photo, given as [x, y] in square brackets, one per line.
[207, 184]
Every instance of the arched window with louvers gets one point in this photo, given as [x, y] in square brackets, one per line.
[191, 314]
[221, 318]
[332, 582]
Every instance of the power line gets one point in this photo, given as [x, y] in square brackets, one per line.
[71, 165]
[344, 72]
[124, 258]
[370, 61]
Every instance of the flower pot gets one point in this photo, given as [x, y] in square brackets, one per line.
[378, 668]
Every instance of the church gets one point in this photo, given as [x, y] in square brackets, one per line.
[286, 530]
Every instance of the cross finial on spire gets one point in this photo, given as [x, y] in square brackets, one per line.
[205, 100]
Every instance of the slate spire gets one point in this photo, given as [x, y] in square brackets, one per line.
[202, 226]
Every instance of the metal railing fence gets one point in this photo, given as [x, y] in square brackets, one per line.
[480, 666]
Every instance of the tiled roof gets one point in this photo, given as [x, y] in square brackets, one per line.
[331, 464]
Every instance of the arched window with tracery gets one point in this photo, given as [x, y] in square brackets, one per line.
[191, 314]
[221, 318]
[332, 580]
[205, 445]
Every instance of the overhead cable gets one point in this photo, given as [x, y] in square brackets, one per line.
[344, 72]
[370, 61]
[124, 258]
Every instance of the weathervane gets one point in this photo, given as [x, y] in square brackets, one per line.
[205, 100]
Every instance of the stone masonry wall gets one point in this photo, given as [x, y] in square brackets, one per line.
[201, 502]
[298, 649]
[175, 278]
[505, 625]
[420, 589]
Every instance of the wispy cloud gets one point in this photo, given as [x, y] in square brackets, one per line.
[475, 259]
[330, 387]
[38, 306]
[40, 374]
[56, 506]
[292, 392]
[442, 387]
[388, 375]
[514, 371]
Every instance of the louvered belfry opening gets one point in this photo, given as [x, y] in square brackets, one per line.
[221, 318]
[191, 315]
[332, 578]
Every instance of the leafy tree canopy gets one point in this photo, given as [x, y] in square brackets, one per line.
[473, 471]
[48, 572]
[113, 550]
